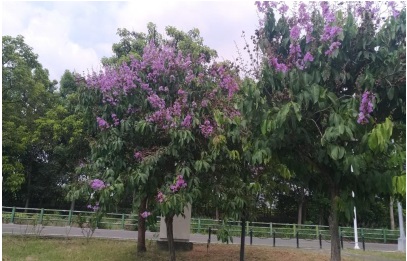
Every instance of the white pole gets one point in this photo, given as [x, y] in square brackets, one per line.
[402, 239]
[355, 225]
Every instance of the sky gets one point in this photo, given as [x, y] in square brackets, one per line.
[75, 35]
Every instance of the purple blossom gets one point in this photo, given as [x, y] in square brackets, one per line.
[328, 15]
[115, 119]
[366, 107]
[204, 102]
[102, 123]
[330, 32]
[138, 156]
[295, 32]
[280, 67]
[156, 102]
[295, 50]
[308, 57]
[392, 5]
[97, 184]
[283, 9]
[332, 48]
[303, 14]
[179, 183]
[145, 214]
[187, 121]
[94, 208]
[181, 92]
[160, 197]
[206, 129]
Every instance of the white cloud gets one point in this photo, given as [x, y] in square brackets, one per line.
[76, 35]
[47, 32]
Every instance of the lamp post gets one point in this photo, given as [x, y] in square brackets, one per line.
[355, 223]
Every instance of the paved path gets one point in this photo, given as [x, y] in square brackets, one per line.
[16, 229]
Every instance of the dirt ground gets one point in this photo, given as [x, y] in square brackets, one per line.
[252, 253]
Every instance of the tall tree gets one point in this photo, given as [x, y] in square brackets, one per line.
[155, 117]
[334, 78]
[27, 93]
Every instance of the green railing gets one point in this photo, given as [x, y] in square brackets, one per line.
[56, 217]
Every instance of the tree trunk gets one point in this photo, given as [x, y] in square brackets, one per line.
[299, 221]
[27, 200]
[300, 204]
[170, 237]
[321, 216]
[141, 227]
[392, 224]
[242, 239]
[72, 205]
[217, 213]
[334, 226]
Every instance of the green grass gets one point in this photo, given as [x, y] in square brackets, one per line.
[26, 248]
[374, 255]
[32, 248]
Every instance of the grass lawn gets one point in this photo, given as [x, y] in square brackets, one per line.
[44, 249]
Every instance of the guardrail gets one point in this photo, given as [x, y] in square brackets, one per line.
[57, 217]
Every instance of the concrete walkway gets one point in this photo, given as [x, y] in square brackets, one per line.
[15, 229]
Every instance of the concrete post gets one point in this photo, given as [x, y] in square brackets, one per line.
[402, 239]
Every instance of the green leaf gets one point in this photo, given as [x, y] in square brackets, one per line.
[264, 127]
[297, 110]
[333, 98]
[315, 92]
[336, 152]
[390, 93]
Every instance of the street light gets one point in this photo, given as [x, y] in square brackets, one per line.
[355, 223]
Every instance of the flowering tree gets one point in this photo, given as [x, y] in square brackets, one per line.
[334, 78]
[155, 119]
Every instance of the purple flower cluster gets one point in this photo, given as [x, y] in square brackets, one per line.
[160, 197]
[330, 32]
[226, 82]
[164, 77]
[366, 107]
[179, 183]
[283, 9]
[332, 48]
[103, 125]
[95, 207]
[392, 5]
[115, 119]
[156, 102]
[97, 184]
[308, 57]
[295, 32]
[204, 103]
[187, 121]
[295, 50]
[138, 155]
[280, 67]
[145, 214]
[328, 15]
[206, 129]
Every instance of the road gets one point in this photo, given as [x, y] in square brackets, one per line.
[17, 229]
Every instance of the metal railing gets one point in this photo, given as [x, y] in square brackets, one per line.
[57, 217]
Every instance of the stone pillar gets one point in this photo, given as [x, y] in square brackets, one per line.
[181, 230]
[402, 239]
